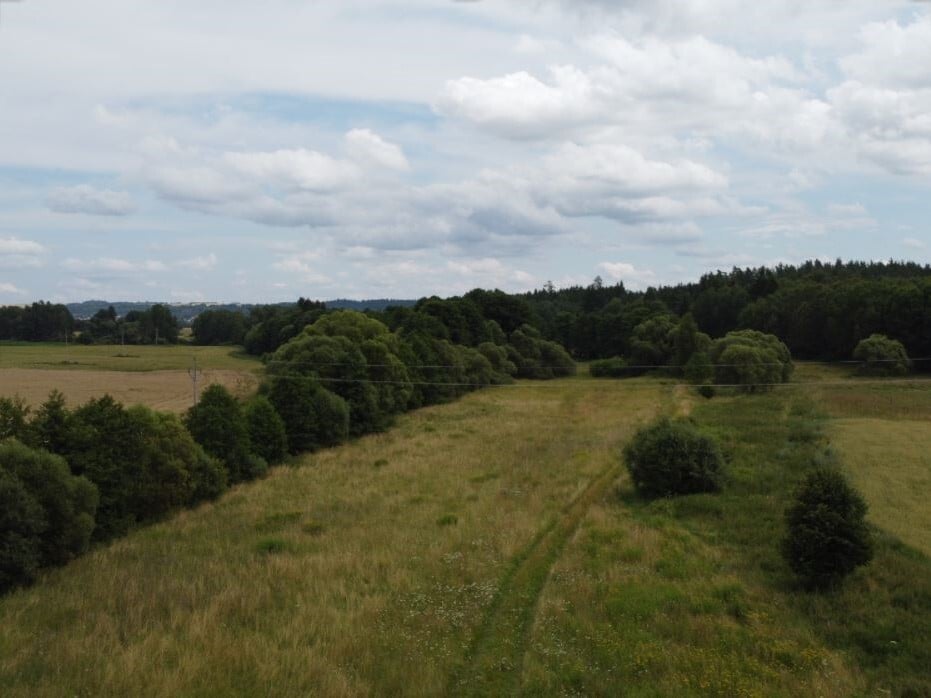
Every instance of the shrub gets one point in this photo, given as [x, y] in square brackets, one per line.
[46, 513]
[614, 367]
[536, 357]
[103, 443]
[881, 356]
[218, 424]
[698, 370]
[266, 430]
[753, 360]
[313, 417]
[827, 536]
[673, 457]
[22, 522]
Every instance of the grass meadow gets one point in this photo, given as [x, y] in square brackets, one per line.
[494, 546]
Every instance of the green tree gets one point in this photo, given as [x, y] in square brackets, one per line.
[218, 424]
[313, 417]
[103, 444]
[267, 432]
[751, 359]
[22, 522]
[673, 457]
[50, 426]
[880, 356]
[827, 537]
[13, 418]
[68, 503]
[213, 327]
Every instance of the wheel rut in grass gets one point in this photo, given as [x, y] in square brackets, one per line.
[493, 665]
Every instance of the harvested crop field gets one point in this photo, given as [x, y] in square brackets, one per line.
[169, 391]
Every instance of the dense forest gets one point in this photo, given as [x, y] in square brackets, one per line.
[820, 310]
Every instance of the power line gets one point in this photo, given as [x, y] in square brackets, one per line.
[641, 367]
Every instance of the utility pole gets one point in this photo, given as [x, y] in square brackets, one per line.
[195, 374]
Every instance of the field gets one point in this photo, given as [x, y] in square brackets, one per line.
[494, 546]
[153, 376]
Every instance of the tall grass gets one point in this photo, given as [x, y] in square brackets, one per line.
[333, 578]
[690, 596]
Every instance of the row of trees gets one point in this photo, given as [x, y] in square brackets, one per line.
[71, 477]
[48, 322]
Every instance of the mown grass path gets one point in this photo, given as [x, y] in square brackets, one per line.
[495, 660]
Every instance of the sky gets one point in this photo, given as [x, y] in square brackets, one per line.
[181, 151]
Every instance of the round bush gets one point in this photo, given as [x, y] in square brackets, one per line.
[827, 536]
[881, 356]
[673, 457]
[614, 367]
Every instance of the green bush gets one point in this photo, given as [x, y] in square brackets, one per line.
[614, 367]
[22, 522]
[218, 424]
[313, 417]
[827, 537]
[750, 359]
[673, 457]
[266, 430]
[881, 356]
[46, 513]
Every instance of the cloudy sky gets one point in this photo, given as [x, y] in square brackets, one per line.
[257, 151]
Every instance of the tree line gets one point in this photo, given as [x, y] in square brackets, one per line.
[820, 310]
[70, 478]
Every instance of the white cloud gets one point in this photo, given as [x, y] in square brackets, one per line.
[112, 265]
[16, 246]
[368, 148]
[16, 254]
[914, 243]
[296, 169]
[628, 273]
[521, 106]
[86, 199]
[10, 289]
[204, 263]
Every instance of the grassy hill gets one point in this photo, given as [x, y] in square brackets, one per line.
[490, 547]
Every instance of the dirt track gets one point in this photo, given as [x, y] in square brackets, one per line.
[168, 391]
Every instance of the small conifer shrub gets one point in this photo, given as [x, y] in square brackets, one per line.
[827, 536]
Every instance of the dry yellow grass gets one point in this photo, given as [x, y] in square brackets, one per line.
[366, 571]
[890, 462]
[168, 391]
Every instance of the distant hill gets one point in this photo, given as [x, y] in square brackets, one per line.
[186, 312]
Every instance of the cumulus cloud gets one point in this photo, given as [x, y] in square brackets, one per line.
[10, 289]
[296, 169]
[885, 100]
[89, 200]
[368, 148]
[520, 105]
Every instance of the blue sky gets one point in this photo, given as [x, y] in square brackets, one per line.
[151, 150]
